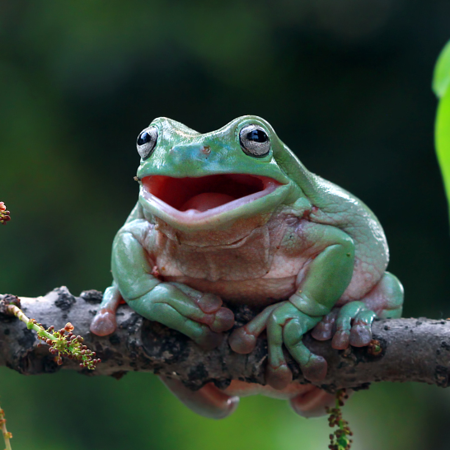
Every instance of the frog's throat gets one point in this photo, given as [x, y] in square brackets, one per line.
[210, 200]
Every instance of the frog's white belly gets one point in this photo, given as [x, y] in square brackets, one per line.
[261, 286]
[262, 291]
[265, 267]
[255, 270]
[244, 280]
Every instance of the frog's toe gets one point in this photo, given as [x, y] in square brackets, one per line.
[104, 322]
[361, 332]
[242, 341]
[209, 303]
[315, 369]
[323, 331]
[223, 320]
[341, 339]
[278, 377]
[360, 335]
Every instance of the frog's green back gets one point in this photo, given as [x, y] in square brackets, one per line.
[335, 206]
[322, 193]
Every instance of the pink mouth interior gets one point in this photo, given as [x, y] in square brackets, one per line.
[204, 193]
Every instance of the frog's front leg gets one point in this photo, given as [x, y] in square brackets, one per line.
[104, 322]
[319, 286]
[198, 315]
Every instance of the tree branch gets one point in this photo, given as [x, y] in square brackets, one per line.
[412, 349]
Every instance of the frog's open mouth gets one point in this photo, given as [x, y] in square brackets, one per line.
[209, 195]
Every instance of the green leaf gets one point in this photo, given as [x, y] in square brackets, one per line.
[441, 83]
[441, 76]
[442, 137]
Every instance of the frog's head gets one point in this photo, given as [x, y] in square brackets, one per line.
[205, 181]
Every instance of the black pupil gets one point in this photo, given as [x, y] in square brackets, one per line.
[144, 138]
[257, 136]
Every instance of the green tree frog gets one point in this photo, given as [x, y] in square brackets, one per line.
[232, 217]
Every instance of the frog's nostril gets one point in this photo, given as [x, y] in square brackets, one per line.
[191, 150]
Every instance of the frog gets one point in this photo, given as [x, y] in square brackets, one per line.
[232, 218]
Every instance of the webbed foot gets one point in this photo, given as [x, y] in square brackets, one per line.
[352, 323]
[198, 315]
[349, 325]
[208, 401]
[353, 326]
[285, 324]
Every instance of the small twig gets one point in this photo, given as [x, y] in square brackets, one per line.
[6, 434]
[340, 439]
[61, 344]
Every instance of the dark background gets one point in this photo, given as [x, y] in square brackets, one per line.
[346, 84]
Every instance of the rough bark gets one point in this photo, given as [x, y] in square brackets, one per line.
[412, 349]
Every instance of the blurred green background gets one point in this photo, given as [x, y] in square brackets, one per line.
[345, 83]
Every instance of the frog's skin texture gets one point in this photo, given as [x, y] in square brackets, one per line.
[232, 217]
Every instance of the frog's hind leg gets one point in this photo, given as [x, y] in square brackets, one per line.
[386, 299]
[208, 401]
[104, 322]
[352, 324]
[312, 403]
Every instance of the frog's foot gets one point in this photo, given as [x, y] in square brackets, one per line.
[352, 324]
[313, 403]
[243, 340]
[104, 322]
[285, 324]
[198, 315]
[208, 401]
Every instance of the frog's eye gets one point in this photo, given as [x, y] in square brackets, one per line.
[146, 142]
[254, 141]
